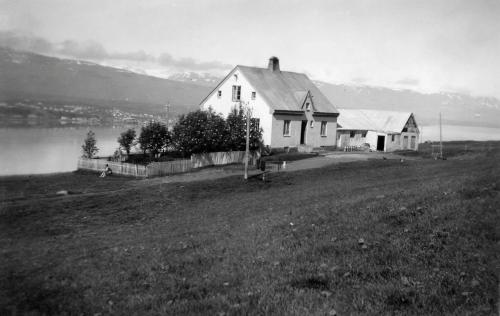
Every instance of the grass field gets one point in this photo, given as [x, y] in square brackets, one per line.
[371, 237]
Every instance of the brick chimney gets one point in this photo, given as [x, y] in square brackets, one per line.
[274, 64]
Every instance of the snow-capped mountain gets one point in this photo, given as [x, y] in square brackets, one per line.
[28, 75]
[205, 79]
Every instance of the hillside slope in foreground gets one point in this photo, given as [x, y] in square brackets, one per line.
[370, 237]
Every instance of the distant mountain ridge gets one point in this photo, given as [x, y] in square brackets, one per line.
[27, 75]
[456, 109]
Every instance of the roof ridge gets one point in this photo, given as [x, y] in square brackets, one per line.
[281, 71]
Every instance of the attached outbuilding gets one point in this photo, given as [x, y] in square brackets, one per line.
[378, 130]
[291, 110]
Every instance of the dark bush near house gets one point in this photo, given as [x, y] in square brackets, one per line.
[126, 140]
[206, 131]
[236, 131]
[154, 138]
[198, 132]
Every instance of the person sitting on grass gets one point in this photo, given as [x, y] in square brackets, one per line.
[107, 171]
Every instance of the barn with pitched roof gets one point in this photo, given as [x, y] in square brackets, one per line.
[380, 130]
[291, 110]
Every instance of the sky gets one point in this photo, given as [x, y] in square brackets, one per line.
[427, 46]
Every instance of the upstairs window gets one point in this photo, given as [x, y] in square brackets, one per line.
[219, 94]
[254, 94]
[236, 93]
[323, 129]
[308, 106]
[286, 128]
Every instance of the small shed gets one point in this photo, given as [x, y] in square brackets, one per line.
[378, 130]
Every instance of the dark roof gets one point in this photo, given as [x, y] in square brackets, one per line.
[285, 90]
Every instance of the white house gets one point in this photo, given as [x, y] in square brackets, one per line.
[381, 130]
[292, 112]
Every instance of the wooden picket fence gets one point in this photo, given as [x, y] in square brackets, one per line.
[222, 158]
[127, 169]
[158, 169]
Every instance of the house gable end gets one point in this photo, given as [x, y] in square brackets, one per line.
[410, 125]
[308, 99]
[218, 86]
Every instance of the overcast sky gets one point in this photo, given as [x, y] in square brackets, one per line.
[433, 45]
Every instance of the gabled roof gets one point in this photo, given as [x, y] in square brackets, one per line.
[283, 90]
[373, 120]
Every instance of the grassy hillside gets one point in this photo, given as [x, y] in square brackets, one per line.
[292, 245]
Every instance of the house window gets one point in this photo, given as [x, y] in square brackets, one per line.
[236, 93]
[254, 94]
[219, 94]
[363, 134]
[256, 123]
[308, 106]
[311, 124]
[323, 129]
[286, 128]
[353, 133]
[393, 138]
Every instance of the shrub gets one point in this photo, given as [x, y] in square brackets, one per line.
[154, 138]
[126, 140]
[89, 148]
[199, 132]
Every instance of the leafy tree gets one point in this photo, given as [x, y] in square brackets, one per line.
[126, 140]
[89, 148]
[200, 132]
[236, 123]
[236, 127]
[154, 137]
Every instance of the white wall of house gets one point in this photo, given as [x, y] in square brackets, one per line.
[224, 104]
[313, 131]
[372, 138]
[399, 142]
[279, 140]
[411, 141]
[272, 125]
[345, 138]
[392, 145]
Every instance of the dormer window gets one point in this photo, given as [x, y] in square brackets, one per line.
[254, 94]
[219, 94]
[308, 106]
[235, 77]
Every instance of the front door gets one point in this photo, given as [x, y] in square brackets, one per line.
[303, 132]
[413, 141]
[405, 142]
[380, 143]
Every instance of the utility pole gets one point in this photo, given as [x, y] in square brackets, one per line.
[247, 147]
[167, 106]
[440, 137]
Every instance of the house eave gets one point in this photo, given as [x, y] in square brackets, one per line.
[326, 114]
[289, 112]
